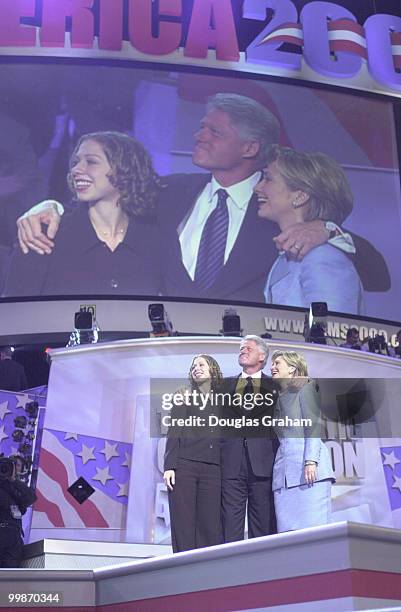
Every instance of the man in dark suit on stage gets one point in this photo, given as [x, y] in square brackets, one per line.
[12, 374]
[212, 243]
[247, 462]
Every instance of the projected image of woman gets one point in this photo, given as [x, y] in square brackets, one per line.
[192, 471]
[108, 244]
[297, 187]
[302, 471]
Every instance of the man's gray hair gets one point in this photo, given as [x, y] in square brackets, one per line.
[251, 119]
[260, 343]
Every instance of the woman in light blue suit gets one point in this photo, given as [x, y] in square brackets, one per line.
[297, 187]
[302, 472]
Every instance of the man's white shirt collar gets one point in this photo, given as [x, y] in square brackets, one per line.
[255, 375]
[240, 193]
[191, 228]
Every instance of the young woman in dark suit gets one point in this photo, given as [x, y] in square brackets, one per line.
[192, 470]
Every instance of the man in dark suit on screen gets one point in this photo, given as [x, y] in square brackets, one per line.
[214, 244]
[247, 462]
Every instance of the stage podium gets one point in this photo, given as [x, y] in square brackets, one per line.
[97, 427]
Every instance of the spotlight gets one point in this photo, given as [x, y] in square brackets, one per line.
[6, 468]
[25, 448]
[315, 325]
[21, 422]
[231, 323]
[18, 435]
[32, 408]
[83, 320]
[319, 309]
[86, 329]
[160, 321]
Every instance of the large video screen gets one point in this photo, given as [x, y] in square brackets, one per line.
[197, 186]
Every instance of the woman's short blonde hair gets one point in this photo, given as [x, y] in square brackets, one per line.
[294, 360]
[320, 177]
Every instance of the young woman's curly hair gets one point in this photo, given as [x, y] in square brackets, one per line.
[216, 376]
[132, 171]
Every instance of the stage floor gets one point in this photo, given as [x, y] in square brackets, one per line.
[334, 568]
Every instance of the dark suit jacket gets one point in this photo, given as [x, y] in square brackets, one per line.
[206, 450]
[244, 275]
[186, 444]
[81, 264]
[261, 450]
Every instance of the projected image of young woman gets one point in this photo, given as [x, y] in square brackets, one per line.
[297, 187]
[108, 244]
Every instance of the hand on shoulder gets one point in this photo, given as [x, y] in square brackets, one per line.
[31, 236]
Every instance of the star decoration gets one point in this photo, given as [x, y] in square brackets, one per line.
[103, 475]
[397, 483]
[123, 489]
[127, 461]
[4, 410]
[86, 453]
[390, 459]
[71, 436]
[110, 450]
[3, 435]
[23, 398]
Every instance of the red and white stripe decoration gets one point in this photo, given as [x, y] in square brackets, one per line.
[396, 48]
[347, 35]
[343, 34]
[54, 504]
[286, 33]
